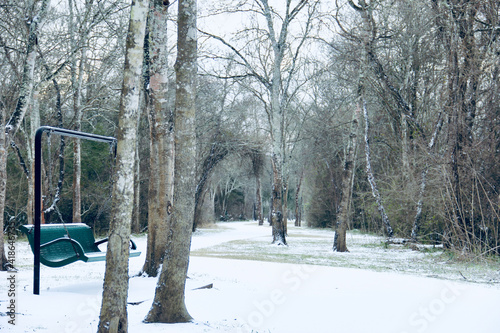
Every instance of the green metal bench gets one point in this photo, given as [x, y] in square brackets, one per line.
[63, 244]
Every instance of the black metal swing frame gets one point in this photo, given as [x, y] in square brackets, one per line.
[35, 239]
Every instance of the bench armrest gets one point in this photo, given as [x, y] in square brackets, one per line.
[104, 240]
[133, 246]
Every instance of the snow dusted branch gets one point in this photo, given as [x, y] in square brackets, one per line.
[371, 177]
[423, 182]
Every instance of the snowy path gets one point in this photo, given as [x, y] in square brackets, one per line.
[253, 296]
[226, 232]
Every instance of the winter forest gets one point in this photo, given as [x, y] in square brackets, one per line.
[375, 115]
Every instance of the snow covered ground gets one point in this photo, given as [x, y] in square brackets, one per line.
[258, 287]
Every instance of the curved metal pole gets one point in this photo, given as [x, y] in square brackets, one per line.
[38, 187]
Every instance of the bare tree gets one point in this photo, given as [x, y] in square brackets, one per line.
[168, 305]
[113, 316]
[468, 32]
[274, 66]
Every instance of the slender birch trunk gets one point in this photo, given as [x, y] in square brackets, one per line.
[169, 305]
[339, 241]
[113, 316]
[277, 125]
[76, 82]
[34, 125]
[371, 177]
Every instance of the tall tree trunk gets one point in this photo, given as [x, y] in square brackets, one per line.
[285, 205]
[169, 305]
[279, 40]
[278, 227]
[152, 262]
[298, 216]
[136, 213]
[371, 177]
[76, 83]
[77, 159]
[161, 150]
[34, 125]
[258, 201]
[277, 134]
[113, 316]
[339, 241]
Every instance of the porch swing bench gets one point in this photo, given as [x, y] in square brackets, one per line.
[57, 245]
[61, 245]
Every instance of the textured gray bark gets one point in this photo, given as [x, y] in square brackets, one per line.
[169, 305]
[113, 316]
[278, 227]
[161, 140]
